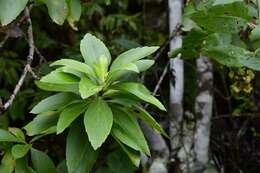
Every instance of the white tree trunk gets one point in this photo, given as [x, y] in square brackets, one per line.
[180, 144]
[203, 108]
[177, 73]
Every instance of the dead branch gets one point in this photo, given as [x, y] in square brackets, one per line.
[27, 67]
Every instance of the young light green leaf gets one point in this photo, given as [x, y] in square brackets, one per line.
[98, 122]
[72, 71]
[20, 150]
[92, 49]
[87, 88]
[80, 156]
[10, 9]
[147, 118]
[58, 77]
[101, 69]
[6, 136]
[139, 91]
[73, 87]
[42, 162]
[69, 114]
[127, 130]
[122, 72]
[41, 123]
[53, 102]
[18, 133]
[58, 10]
[76, 65]
[132, 55]
[144, 64]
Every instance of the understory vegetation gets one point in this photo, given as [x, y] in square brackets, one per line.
[125, 86]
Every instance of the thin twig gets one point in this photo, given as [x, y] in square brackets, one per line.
[4, 40]
[158, 85]
[29, 60]
[165, 45]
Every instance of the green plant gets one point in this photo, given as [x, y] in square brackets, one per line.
[101, 98]
[17, 153]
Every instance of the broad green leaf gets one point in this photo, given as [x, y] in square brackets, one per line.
[54, 102]
[92, 49]
[7, 163]
[228, 18]
[80, 156]
[69, 114]
[22, 166]
[132, 55]
[59, 81]
[50, 130]
[225, 24]
[217, 39]
[234, 56]
[42, 162]
[76, 65]
[122, 72]
[139, 91]
[226, 55]
[147, 118]
[62, 167]
[10, 9]
[41, 123]
[58, 87]
[72, 71]
[144, 65]
[57, 9]
[20, 150]
[87, 88]
[255, 33]
[236, 9]
[127, 130]
[74, 12]
[252, 63]
[118, 162]
[58, 77]
[221, 2]
[98, 122]
[133, 155]
[6, 136]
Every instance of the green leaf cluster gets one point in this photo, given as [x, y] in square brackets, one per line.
[96, 101]
[59, 11]
[217, 30]
[17, 153]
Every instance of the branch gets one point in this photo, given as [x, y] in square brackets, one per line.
[4, 40]
[27, 67]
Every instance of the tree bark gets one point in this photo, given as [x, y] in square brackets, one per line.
[176, 72]
[178, 146]
[203, 109]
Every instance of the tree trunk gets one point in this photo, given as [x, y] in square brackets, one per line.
[203, 108]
